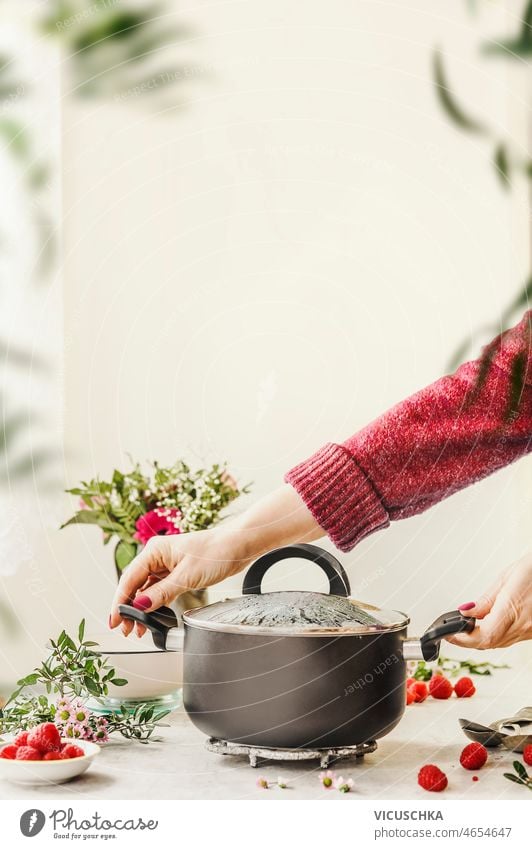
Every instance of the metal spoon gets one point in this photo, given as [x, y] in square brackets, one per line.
[485, 734]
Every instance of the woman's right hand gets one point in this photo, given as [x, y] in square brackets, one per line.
[169, 566]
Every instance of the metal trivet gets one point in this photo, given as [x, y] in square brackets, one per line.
[258, 755]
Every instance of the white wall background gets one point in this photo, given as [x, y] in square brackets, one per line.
[272, 265]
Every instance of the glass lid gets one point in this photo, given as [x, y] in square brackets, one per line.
[294, 612]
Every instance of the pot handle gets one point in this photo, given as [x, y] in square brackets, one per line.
[452, 622]
[338, 580]
[159, 621]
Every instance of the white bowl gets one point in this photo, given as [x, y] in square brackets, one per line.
[49, 772]
[150, 673]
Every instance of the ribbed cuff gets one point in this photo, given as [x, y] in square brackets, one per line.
[339, 495]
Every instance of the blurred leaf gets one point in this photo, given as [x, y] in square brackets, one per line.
[105, 47]
[448, 101]
[518, 47]
[9, 620]
[21, 358]
[117, 24]
[459, 355]
[502, 165]
[10, 89]
[523, 299]
[10, 427]
[27, 464]
[16, 136]
[38, 175]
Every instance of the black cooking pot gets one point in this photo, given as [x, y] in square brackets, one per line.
[295, 669]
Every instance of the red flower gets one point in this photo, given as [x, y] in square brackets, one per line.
[158, 522]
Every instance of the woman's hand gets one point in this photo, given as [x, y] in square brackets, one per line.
[169, 566]
[504, 611]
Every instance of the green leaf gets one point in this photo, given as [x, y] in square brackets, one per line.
[502, 165]
[91, 517]
[447, 99]
[81, 630]
[69, 643]
[29, 679]
[91, 686]
[520, 770]
[511, 777]
[125, 552]
[119, 682]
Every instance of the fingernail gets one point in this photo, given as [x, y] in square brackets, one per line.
[467, 606]
[142, 602]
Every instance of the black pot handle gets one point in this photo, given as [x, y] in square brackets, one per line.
[338, 580]
[159, 621]
[452, 622]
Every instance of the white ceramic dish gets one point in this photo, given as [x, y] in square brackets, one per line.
[49, 772]
[150, 673]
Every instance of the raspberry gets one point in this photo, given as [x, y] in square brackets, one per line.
[27, 753]
[72, 751]
[431, 778]
[527, 754]
[474, 756]
[21, 739]
[410, 681]
[440, 687]
[410, 696]
[45, 737]
[54, 756]
[420, 691]
[9, 752]
[464, 688]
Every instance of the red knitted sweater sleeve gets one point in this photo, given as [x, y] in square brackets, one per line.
[422, 450]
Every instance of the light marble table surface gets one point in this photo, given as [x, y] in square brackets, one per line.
[179, 766]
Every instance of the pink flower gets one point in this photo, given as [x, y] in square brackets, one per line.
[157, 522]
[100, 733]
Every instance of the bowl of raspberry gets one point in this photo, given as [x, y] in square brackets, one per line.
[41, 756]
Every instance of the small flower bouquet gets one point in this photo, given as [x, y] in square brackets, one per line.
[135, 506]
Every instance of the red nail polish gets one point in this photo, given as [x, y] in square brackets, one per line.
[468, 606]
[142, 602]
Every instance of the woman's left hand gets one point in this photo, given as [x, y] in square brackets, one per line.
[504, 612]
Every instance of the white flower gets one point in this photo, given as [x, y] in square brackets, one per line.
[343, 785]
